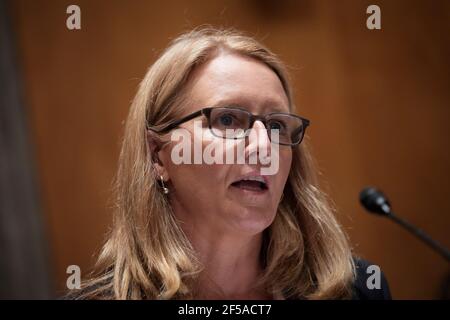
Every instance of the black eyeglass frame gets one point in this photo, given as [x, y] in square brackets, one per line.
[252, 117]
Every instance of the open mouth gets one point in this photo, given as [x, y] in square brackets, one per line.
[256, 183]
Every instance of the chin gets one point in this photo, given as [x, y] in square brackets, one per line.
[252, 221]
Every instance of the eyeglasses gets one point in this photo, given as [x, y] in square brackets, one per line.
[235, 123]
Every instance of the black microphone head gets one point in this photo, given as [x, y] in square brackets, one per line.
[374, 201]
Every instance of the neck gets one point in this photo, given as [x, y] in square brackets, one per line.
[231, 262]
[231, 266]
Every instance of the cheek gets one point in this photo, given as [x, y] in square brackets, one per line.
[285, 165]
[198, 189]
[195, 181]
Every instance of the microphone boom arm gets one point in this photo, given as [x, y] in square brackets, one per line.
[421, 235]
[374, 201]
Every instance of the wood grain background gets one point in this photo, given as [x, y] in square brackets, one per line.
[378, 101]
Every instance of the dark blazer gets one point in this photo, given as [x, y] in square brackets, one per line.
[361, 290]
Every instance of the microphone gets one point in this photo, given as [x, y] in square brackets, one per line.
[376, 202]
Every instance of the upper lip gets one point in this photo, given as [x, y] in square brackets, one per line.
[253, 174]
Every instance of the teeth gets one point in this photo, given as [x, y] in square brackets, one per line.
[255, 178]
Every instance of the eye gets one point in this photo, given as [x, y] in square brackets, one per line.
[226, 119]
[276, 125]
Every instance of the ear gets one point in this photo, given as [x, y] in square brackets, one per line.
[155, 145]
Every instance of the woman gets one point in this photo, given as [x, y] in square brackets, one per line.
[215, 230]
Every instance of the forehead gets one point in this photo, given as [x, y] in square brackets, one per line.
[235, 79]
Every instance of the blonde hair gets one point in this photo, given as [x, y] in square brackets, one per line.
[147, 256]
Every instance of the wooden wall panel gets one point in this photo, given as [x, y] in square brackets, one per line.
[378, 100]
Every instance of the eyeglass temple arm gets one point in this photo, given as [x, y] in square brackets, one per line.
[175, 124]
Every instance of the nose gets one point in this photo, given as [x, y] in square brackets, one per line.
[258, 141]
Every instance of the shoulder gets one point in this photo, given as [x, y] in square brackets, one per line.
[370, 282]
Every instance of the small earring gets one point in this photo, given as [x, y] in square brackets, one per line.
[165, 189]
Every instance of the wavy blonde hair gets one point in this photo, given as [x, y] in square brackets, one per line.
[305, 253]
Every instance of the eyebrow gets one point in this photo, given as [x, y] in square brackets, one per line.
[270, 106]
